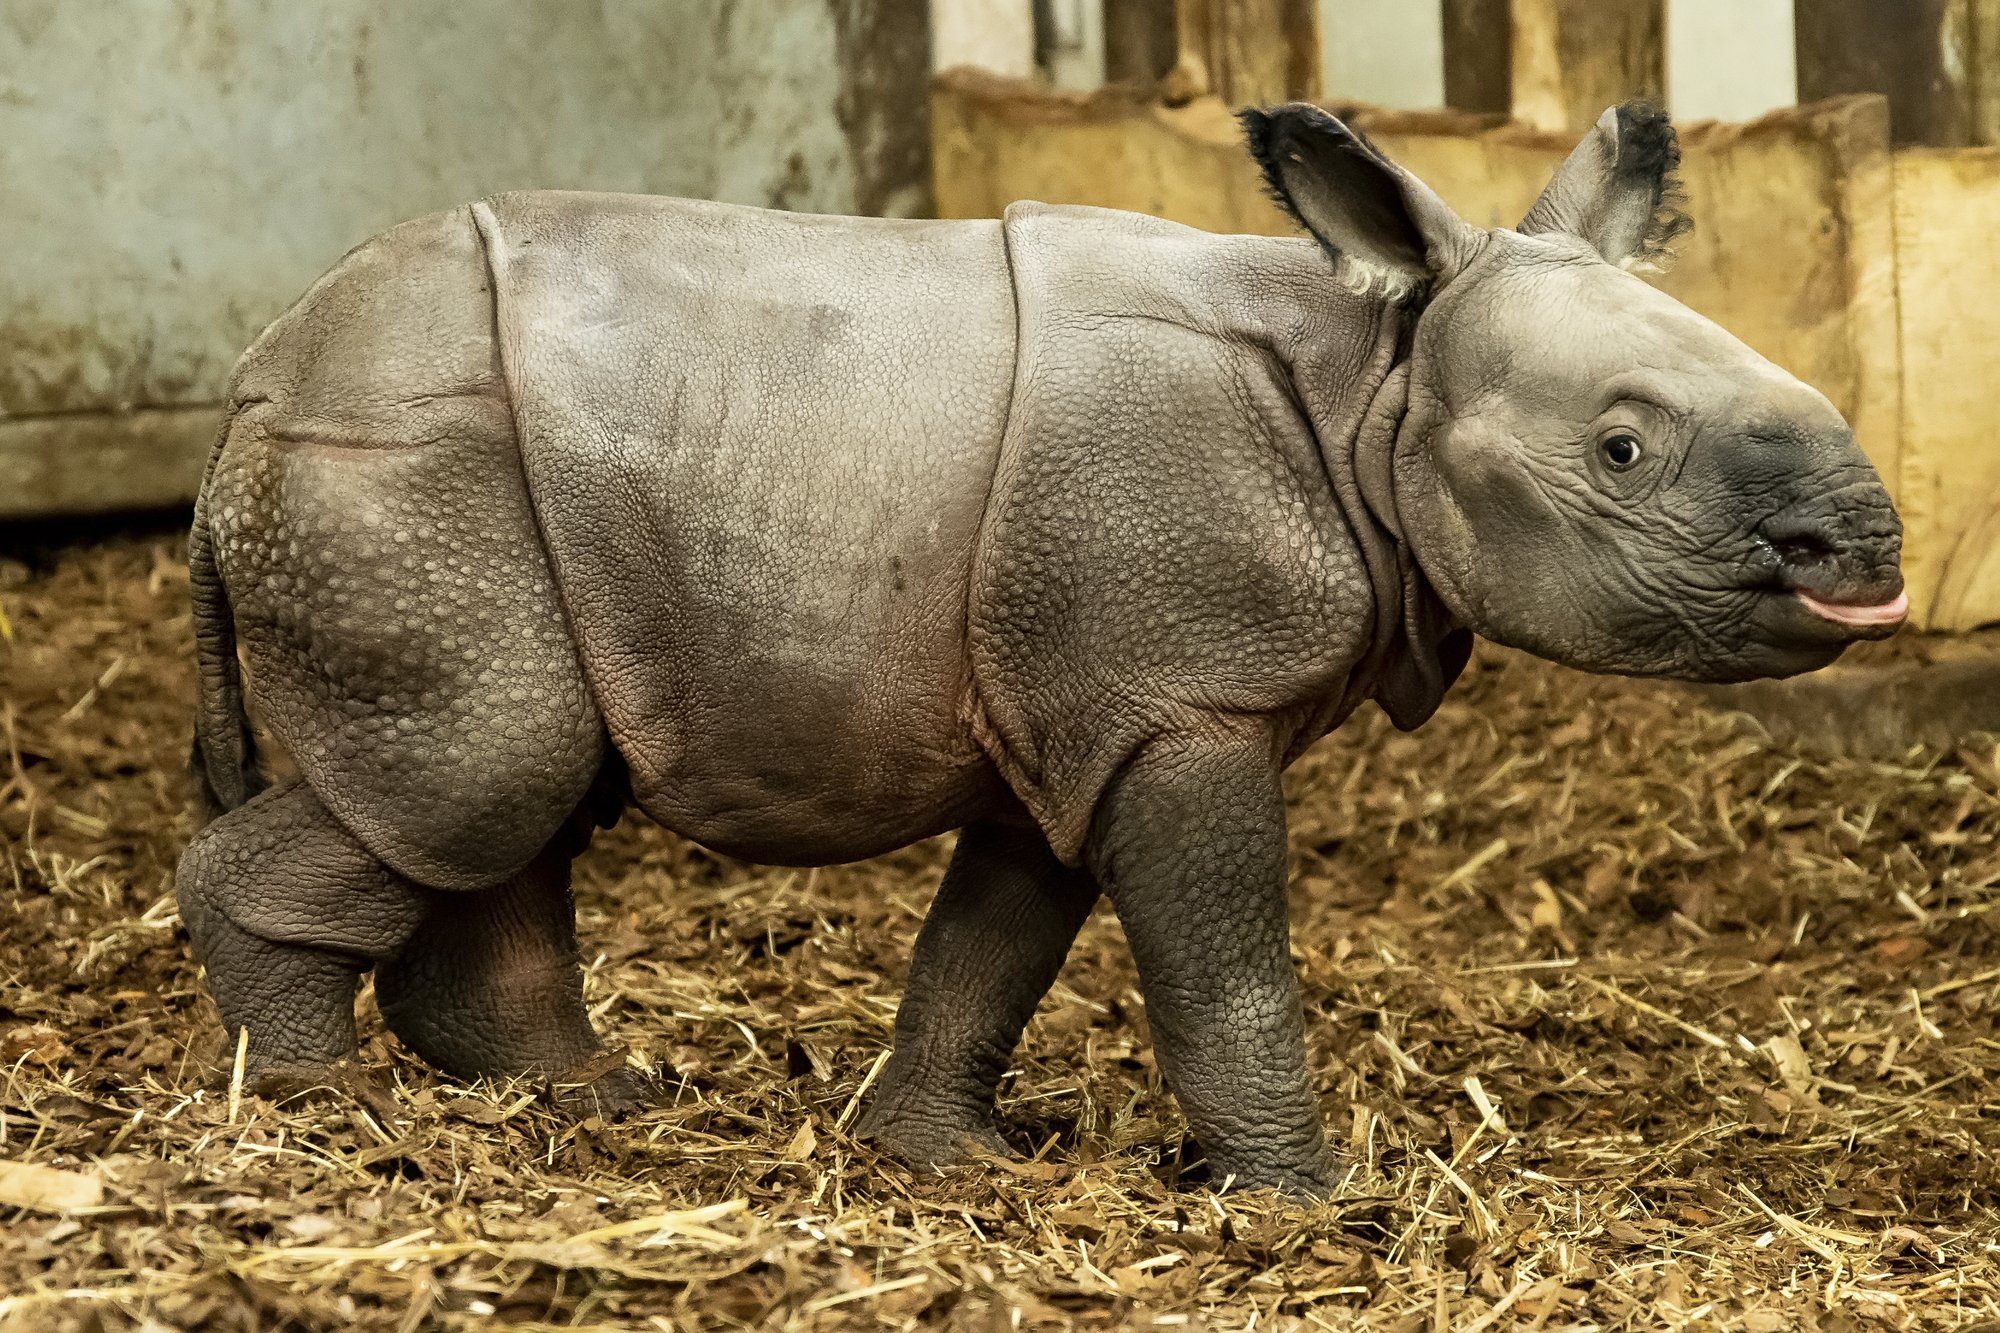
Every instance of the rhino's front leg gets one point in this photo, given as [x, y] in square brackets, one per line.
[1190, 846]
[991, 947]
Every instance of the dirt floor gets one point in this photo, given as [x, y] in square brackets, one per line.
[1630, 1020]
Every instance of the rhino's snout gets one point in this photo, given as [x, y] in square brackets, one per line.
[1842, 559]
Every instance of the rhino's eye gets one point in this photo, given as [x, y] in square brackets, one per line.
[1621, 451]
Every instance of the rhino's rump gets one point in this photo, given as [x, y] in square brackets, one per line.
[405, 638]
[759, 447]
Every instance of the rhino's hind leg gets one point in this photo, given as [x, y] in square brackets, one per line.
[286, 910]
[489, 985]
[990, 948]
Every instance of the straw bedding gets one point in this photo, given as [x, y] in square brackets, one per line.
[1630, 1019]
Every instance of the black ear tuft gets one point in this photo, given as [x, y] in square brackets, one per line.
[1649, 157]
[1260, 131]
[1647, 144]
[1288, 133]
[1344, 191]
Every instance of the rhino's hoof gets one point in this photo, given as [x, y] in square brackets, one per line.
[1307, 1182]
[610, 1094]
[305, 1083]
[935, 1143]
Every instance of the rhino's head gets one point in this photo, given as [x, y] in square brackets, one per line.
[1588, 469]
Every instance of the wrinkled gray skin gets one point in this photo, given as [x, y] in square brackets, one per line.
[815, 536]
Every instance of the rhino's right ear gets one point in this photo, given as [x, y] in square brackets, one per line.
[1385, 229]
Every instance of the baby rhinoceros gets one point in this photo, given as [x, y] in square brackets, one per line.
[815, 536]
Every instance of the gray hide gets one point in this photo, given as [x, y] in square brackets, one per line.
[815, 536]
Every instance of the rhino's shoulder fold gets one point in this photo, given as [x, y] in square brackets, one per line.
[1162, 551]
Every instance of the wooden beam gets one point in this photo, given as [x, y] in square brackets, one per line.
[1573, 58]
[1478, 55]
[1937, 61]
[1984, 60]
[1247, 52]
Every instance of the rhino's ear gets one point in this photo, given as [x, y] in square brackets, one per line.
[1385, 229]
[1618, 191]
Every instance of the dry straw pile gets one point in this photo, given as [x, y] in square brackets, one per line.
[1629, 1021]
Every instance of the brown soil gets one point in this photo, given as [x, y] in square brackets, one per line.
[1733, 1013]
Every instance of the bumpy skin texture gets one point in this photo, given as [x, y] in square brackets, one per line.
[1164, 546]
[367, 514]
[370, 520]
[1191, 848]
[286, 910]
[991, 947]
[1070, 530]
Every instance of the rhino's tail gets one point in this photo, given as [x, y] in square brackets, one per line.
[224, 759]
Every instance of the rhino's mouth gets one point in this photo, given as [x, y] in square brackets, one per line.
[1892, 612]
[1838, 580]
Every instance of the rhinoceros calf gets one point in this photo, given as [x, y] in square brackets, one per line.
[814, 536]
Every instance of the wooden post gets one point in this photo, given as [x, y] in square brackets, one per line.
[1573, 58]
[1247, 52]
[1478, 55]
[1937, 61]
[1140, 39]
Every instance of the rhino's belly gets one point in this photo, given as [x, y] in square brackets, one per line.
[759, 448]
[795, 691]
[798, 762]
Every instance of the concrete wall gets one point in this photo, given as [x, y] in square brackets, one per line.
[177, 171]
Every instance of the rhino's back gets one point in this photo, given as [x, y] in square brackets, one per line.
[759, 447]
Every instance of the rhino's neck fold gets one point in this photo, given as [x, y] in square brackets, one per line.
[1416, 650]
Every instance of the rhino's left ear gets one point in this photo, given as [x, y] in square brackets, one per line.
[1385, 229]
[1617, 191]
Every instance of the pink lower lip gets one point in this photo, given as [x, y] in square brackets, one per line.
[1886, 613]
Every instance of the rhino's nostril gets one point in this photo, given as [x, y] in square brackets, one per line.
[1803, 555]
[1800, 538]
[1800, 555]
[1802, 549]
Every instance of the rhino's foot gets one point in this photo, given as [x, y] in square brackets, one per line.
[294, 1081]
[285, 910]
[488, 986]
[991, 946]
[932, 1140]
[292, 1084]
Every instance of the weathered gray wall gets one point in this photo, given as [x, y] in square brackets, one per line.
[176, 171]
